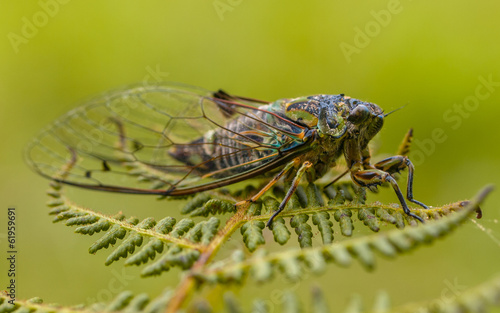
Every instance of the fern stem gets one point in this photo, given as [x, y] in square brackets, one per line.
[349, 206]
[189, 282]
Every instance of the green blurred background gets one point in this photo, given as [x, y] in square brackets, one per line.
[434, 56]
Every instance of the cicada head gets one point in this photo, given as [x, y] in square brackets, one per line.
[364, 119]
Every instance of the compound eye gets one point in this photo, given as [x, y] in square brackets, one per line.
[359, 114]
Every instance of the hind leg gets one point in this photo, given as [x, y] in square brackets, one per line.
[394, 165]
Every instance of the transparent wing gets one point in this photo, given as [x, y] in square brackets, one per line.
[176, 138]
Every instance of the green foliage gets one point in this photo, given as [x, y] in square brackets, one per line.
[322, 220]
[252, 234]
[191, 245]
[473, 300]
[125, 302]
[294, 262]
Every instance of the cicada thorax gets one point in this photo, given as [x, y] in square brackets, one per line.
[244, 143]
[327, 113]
[326, 116]
[303, 110]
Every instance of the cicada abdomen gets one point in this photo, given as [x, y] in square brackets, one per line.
[249, 141]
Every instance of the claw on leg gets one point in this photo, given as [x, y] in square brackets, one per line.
[374, 177]
[394, 184]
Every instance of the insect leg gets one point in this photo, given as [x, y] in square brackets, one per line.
[295, 183]
[366, 157]
[375, 177]
[287, 168]
[394, 165]
[336, 179]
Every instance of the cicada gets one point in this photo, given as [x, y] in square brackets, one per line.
[183, 140]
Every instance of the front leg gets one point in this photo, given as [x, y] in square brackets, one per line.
[295, 183]
[366, 158]
[375, 177]
[394, 165]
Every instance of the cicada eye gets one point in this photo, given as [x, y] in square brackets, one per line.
[359, 114]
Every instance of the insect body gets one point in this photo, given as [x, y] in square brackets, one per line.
[185, 140]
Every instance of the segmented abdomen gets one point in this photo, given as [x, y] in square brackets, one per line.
[244, 143]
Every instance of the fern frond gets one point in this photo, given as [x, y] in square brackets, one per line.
[280, 231]
[302, 229]
[372, 215]
[473, 300]
[133, 240]
[91, 222]
[202, 232]
[344, 218]
[390, 244]
[325, 226]
[252, 234]
[213, 207]
[154, 245]
[111, 236]
[209, 203]
[125, 302]
[289, 304]
[344, 200]
[175, 256]
[179, 242]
